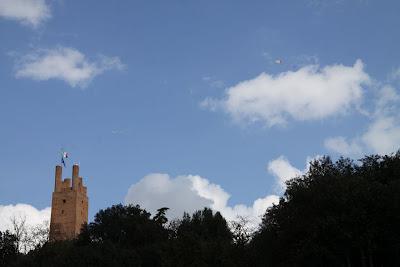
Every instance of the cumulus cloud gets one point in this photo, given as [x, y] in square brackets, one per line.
[28, 12]
[283, 171]
[341, 145]
[309, 93]
[32, 215]
[382, 136]
[158, 189]
[65, 64]
[188, 193]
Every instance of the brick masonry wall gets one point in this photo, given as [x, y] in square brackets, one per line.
[69, 208]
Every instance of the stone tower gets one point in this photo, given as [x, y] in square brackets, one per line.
[69, 206]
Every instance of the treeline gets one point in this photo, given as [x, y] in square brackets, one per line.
[341, 213]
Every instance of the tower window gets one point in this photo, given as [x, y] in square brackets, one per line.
[64, 201]
[62, 211]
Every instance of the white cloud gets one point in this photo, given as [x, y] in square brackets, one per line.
[283, 171]
[387, 101]
[382, 135]
[65, 64]
[190, 193]
[157, 190]
[310, 93]
[32, 215]
[339, 144]
[29, 12]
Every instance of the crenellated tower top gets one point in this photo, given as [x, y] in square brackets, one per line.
[61, 185]
[69, 209]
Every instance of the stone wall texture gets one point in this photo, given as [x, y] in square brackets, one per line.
[69, 206]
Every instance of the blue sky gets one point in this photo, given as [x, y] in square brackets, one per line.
[142, 92]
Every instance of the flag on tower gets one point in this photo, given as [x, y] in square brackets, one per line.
[64, 155]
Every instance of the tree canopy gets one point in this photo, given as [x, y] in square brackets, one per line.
[337, 214]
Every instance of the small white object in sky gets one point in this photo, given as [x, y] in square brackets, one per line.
[278, 61]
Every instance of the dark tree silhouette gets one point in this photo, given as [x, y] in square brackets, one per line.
[338, 214]
[161, 217]
[8, 248]
[203, 239]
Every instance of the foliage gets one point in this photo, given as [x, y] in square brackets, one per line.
[203, 239]
[8, 248]
[338, 214]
